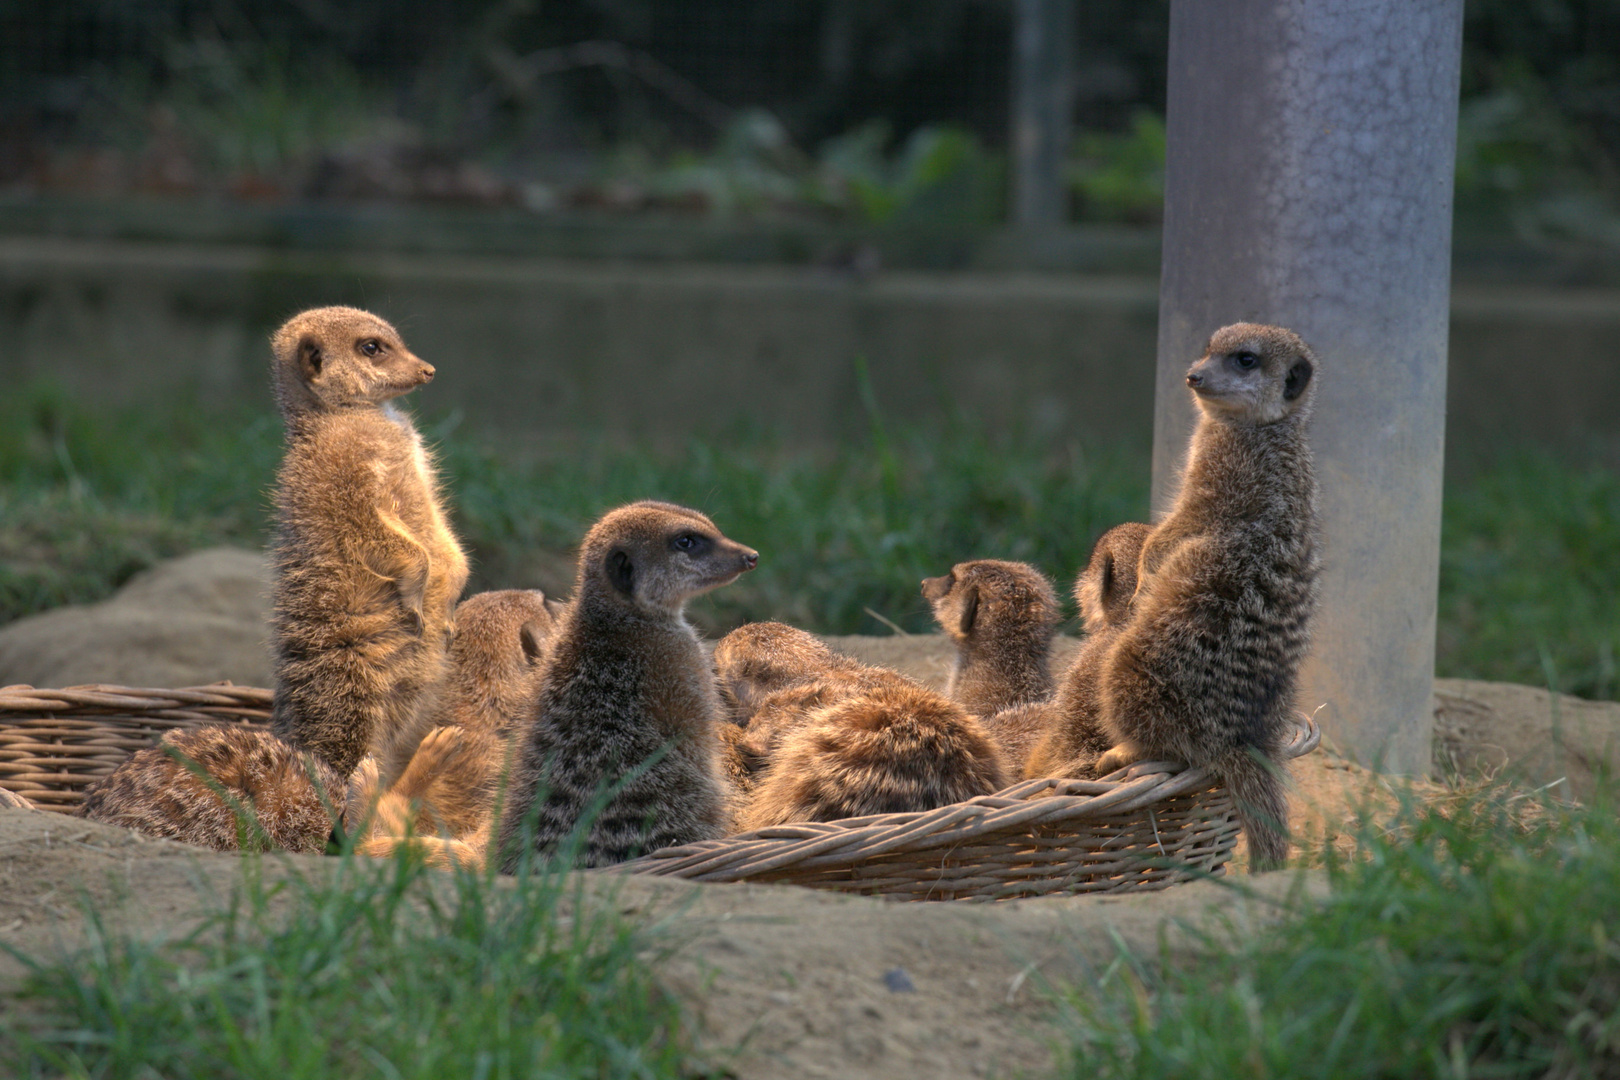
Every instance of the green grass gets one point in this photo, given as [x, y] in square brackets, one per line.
[359, 969]
[1469, 943]
[1528, 586]
[1527, 593]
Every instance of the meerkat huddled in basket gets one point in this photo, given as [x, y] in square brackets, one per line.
[1196, 627]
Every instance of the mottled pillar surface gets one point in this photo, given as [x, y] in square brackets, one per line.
[1309, 184]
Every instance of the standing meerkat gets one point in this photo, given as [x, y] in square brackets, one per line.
[839, 739]
[366, 569]
[454, 778]
[623, 724]
[1071, 738]
[258, 789]
[1002, 617]
[1205, 670]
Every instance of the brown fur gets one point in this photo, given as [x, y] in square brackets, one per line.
[366, 568]
[627, 690]
[1002, 616]
[1206, 669]
[1073, 738]
[833, 738]
[453, 780]
[755, 661]
[282, 794]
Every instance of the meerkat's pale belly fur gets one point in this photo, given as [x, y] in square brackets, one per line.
[367, 575]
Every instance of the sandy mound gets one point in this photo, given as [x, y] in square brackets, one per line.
[186, 622]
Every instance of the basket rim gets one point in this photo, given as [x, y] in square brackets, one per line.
[1136, 787]
[23, 698]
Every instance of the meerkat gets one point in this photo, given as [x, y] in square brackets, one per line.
[831, 738]
[258, 792]
[1067, 736]
[451, 785]
[757, 660]
[366, 568]
[1002, 617]
[623, 728]
[1205, 670]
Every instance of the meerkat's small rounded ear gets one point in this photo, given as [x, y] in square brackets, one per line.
[533, 639]
[1299, 377]
[1105, 580]
[310, 360]
[970, 608]
[621, 573]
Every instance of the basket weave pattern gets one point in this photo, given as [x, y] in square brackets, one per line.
[1145, 827]
[56, 743]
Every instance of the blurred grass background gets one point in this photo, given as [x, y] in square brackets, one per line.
[1530, 540]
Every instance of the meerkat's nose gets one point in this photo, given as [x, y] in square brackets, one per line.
[427, 372]
[750, 559]
[1194, 379]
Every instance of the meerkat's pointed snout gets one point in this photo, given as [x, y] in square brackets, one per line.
[750, 559]
[425, 375]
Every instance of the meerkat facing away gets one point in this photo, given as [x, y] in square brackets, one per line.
[1205, 671]
[366, 569]
[1002, 617]
[1071, 739]
[453, 780]
[756, 660]
[293, 796]
[840, 739]
[624, 721]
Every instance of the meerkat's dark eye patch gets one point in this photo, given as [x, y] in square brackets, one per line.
[621, 572]
[691, 543]
[371, 347]
[1245, 360]
[1299, 377]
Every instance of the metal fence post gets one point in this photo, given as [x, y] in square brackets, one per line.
[1043, 82]
[1309, 183]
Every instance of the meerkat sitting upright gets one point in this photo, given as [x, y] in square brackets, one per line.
[366, 569]
[1205, 670]
[451, 785]
[257, 789]
[1071, 738]
[623, 725]
[838, 739]
[1002, 617]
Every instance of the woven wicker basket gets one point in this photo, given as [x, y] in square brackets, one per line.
[1144, 827]
[56, 743]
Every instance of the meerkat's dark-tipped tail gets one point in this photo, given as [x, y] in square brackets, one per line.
[1257, 786]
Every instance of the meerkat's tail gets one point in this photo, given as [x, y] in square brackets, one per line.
[1257, 786]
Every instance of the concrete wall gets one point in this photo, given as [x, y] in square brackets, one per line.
[669, 350]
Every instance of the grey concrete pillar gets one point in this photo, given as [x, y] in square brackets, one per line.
[1309, 184]
[1042, 94]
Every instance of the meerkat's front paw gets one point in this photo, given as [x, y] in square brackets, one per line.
[1117, 758]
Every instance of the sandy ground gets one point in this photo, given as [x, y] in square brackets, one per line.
[799, 979]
